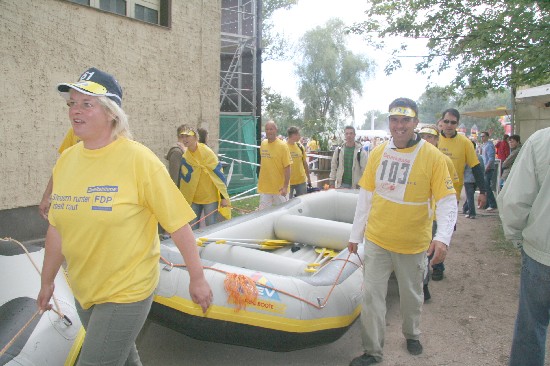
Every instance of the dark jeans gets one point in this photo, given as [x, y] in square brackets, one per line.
[491, 201]
[469, 206]
[529, 342]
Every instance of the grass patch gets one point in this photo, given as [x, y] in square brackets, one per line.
[244, 206]
[502, 244]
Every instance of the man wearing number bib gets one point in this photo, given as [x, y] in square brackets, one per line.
[394, 220]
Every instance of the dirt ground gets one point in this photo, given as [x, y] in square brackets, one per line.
[469, 320]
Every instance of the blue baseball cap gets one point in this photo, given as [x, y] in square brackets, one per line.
[96, 83]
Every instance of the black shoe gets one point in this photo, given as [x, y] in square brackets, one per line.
[437, 274]
[364, 360]
[427, 295]
[414, 347]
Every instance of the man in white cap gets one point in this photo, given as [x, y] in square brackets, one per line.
[402, 177]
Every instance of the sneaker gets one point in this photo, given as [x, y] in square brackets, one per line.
[489, 209]
[414, 347]
[437, 274]
[364, 360]
[471, 217]
[427, 295]
[467, 216]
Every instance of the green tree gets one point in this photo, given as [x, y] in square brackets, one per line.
[380, 120]
[493, 44]
[329, 75]
[281, 109]
[274, 44]
[432, 102]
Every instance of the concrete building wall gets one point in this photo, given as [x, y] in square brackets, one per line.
[169, 76]
[530, 118]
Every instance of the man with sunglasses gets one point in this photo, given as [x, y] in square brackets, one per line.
[461, 151]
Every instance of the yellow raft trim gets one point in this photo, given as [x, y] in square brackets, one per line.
[257, 319]
[75, 348]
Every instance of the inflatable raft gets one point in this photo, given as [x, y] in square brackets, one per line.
[46, 339]
[303, 294]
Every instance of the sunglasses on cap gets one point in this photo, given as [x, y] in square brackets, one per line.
[446, 121]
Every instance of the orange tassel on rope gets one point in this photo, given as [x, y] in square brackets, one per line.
[241, 290]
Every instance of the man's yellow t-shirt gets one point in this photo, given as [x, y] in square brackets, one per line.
[106, 204]
[275, 158]
[403, 182]
[461, 152]
[297, 171]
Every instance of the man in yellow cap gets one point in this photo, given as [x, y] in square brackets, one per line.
[393, 219]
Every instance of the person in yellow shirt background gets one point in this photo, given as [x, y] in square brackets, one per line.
[69, 140]
[313, 147]
[274, 178]
[430, 133]
[459, 148]
[299, 172]
[202, 181]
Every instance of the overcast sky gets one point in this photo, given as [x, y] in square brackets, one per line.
[379, 90]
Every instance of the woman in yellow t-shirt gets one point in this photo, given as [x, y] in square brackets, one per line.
[202, 181]
[109, 195]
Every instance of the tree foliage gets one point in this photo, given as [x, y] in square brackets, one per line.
[380, 120]
[493, 44]
[330, 75]
[436, 99]
[281, 109]
[274, 44]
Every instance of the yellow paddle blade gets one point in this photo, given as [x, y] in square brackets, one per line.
[313, 265]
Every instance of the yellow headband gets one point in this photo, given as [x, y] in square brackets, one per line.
[188, 132]
[429, 131]
[402, 111]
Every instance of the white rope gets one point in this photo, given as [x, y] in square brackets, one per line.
[241, 161]
[239, 143]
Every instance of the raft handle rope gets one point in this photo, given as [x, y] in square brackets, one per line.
[62, 316]
[320, 304]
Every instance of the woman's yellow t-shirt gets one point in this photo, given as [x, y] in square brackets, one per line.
[106, 204]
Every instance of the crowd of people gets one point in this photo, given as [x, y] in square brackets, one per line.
[408, 183]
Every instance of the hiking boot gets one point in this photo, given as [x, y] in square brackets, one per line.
[414, 347]
[364, 360]
[437, 274]
[427, 295]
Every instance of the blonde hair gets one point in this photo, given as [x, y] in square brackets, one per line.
[120, 127]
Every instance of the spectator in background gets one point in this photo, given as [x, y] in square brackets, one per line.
[69, 140]
[469, 207]
[203, 135]
[502, 148]
[202, 181]
[515, 146]
[488, 155]
[274, 178]
[459, 148]
[348, 162]
[299, 173]
[174, 156]
[524, 204]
